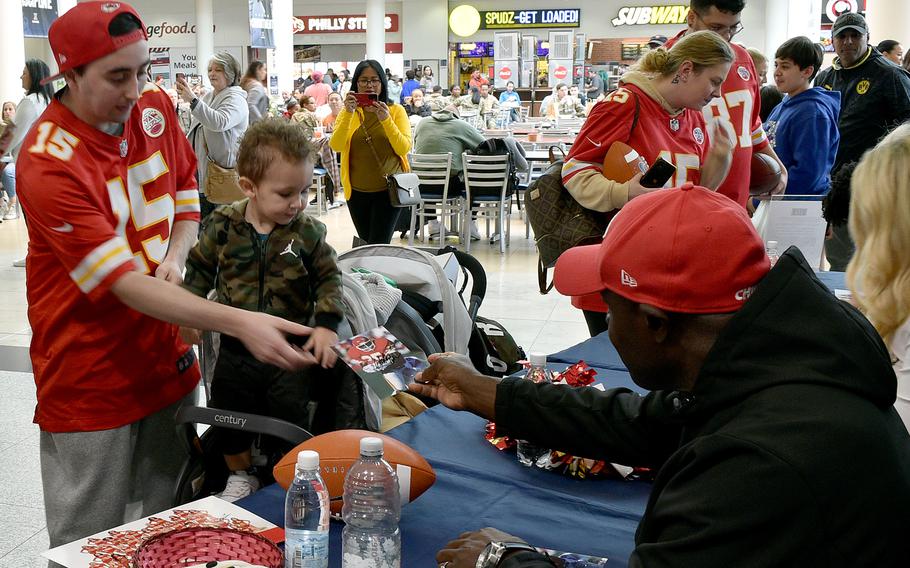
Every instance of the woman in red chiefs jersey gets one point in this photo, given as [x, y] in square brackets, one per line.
[656, 111]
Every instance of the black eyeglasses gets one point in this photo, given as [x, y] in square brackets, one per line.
[368, 82]
[728, 31]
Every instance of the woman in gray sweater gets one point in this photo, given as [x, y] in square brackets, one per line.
[220, 118]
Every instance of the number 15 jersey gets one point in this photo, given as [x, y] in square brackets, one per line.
[99, 206]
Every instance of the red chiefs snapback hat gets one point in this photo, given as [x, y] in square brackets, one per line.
[81, 35]
[687, 250]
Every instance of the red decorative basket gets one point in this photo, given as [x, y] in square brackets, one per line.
[193, 546]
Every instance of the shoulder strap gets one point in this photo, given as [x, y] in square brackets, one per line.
[635, 118]
[369, 140]
[542, 277]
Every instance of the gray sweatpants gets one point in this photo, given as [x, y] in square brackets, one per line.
[94, 481]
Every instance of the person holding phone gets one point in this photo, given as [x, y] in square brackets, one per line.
[373, 136]
[657, 111]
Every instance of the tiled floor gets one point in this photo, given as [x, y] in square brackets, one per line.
[538, 323]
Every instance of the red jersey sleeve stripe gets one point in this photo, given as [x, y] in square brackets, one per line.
[187, 201]
[573, 166]
[98, 264]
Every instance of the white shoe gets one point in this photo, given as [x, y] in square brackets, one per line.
[10, 214]
[240, 484]
[336, 204]
[19, 263]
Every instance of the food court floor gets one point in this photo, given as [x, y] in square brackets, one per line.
[538, 323]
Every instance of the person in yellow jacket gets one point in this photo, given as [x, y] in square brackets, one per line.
[373, 139]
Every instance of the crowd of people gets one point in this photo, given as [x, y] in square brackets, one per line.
[776, 419]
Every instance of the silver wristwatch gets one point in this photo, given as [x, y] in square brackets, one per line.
[494, 552]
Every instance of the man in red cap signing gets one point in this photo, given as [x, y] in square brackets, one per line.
[107, 186]
[769, 421]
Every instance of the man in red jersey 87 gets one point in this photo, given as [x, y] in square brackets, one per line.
[738, 105]
[656, 111]
[107, 185]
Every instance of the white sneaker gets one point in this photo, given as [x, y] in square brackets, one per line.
[240, 484]
[19, 263]
[10, 214]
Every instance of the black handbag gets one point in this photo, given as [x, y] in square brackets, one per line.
[403, 188]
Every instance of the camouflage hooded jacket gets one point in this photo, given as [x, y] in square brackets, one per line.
[292, 274]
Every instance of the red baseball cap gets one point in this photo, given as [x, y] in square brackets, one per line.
[81, 35]
[687, 250]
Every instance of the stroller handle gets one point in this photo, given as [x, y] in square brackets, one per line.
[478, 275]
[243, 421]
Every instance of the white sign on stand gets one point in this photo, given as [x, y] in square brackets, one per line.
[795, 220]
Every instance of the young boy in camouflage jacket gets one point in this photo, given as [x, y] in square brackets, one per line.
[265, 254]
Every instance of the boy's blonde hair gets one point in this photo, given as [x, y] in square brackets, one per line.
[879, 272]
[265, 140]
[703, 49]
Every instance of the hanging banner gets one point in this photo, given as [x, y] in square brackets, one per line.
[37, 17]
[261, 32]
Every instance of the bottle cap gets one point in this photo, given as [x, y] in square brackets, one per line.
[308, 459]
[538, 359]
[371, 446]
[772, 244]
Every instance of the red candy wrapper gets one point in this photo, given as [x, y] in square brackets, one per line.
[501, 442]
[578, 375]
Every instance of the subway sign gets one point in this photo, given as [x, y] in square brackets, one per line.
[651, 15]
[517, 19]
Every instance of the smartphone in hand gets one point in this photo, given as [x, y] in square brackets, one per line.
[366, 99]
[658, 174]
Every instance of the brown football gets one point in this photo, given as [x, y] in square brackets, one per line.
[340, 449]
[765, 174]
[622, 162]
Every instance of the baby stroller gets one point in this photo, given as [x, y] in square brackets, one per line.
[205, 473]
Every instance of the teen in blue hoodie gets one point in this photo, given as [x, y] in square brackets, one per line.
[803, 128]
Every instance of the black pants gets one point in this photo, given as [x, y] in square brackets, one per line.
[309, 398]
[373, 215]
[598, 322]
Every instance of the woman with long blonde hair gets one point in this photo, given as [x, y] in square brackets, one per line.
[879, 273]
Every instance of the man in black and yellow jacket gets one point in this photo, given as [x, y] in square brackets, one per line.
[875, 98]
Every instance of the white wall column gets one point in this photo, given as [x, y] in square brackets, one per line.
[282, 15]
[888, 19]
[12, 46]
[376, 31]
[205, 37]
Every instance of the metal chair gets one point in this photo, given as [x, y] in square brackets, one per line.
[434, 171]
[486, 181]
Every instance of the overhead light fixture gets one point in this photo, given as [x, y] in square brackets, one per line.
[464, 20]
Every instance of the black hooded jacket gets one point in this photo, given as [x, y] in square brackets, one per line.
[788, 451]
[875, 98]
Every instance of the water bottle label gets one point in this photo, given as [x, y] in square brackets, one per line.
[306, 549]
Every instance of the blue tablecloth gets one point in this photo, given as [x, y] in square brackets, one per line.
[478, 485]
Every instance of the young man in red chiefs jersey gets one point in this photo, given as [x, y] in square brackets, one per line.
[107, 186]
[737, 108]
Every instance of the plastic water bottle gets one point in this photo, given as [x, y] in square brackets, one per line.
[773, 253]
[306, 516]
[371, 511]
[528, 453]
